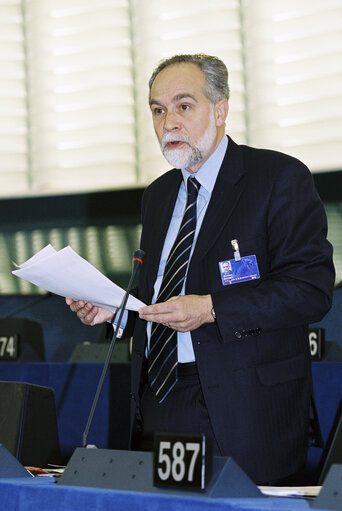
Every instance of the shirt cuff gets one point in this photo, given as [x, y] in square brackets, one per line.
[122, 324]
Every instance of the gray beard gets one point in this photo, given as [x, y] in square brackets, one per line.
[190, 155]
[183, 158]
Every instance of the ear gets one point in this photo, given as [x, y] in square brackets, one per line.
[221, 112]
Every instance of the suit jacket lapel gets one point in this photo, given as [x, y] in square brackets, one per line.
[226, 193]
[227, 190]
[157, 232]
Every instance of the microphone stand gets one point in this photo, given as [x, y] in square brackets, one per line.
[137, 261]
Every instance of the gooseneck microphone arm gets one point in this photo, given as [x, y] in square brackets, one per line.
[137, 262]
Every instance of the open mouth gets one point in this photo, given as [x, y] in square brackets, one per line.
[175, 144]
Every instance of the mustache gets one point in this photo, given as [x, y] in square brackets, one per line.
[173, 137]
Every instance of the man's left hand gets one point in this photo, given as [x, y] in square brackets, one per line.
[181, 313]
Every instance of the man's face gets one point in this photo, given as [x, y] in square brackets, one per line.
[188, 126]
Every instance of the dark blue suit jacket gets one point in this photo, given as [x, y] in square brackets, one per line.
[254, 361]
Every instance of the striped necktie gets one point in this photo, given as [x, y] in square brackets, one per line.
[162, 356]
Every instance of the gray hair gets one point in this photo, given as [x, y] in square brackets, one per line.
[215, 72]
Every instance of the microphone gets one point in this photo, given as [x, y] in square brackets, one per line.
[137, 262]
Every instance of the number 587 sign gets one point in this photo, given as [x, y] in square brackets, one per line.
[179, 460]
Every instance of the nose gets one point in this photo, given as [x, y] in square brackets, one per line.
[171, 121]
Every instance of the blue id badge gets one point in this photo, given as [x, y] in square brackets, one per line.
[233, 271]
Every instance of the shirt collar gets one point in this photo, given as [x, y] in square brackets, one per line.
[207, 173]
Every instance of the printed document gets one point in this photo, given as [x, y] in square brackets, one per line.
[67, 274]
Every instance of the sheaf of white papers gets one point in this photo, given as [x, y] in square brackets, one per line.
[67, 274]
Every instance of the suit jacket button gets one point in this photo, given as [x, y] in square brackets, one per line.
[238, 334]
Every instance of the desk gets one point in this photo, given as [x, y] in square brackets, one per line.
[28, 494]
[75, 386]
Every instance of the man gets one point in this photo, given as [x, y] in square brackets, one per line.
[242, 373]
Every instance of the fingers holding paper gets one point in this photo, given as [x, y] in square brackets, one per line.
[88, 313]
[181, 313]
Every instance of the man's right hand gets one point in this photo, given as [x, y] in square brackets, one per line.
[88, 313]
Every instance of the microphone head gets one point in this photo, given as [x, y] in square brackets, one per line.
[138, 255]
[137, 260]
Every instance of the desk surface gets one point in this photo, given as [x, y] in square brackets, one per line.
[28, 494]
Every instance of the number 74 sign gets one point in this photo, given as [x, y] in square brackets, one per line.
[180, 460]
[8, 347]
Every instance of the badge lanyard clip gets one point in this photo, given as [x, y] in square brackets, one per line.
[235, 246]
